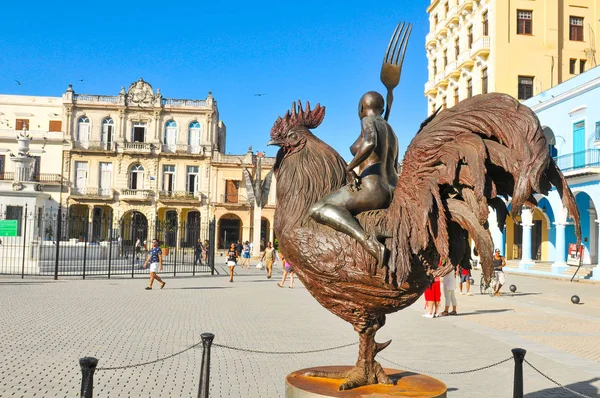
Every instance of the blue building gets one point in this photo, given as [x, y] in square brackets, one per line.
[570, 116]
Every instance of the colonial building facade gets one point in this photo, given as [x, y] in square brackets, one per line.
[519, 47]
[124, 164]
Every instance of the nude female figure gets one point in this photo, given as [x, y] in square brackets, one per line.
[376, 156]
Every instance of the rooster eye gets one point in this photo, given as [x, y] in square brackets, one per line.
[292, 135]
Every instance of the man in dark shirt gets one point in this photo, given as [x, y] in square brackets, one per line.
[155, 260]
[198, 252]
[239, 247]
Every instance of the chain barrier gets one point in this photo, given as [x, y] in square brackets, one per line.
[151, 362]
[555, 382]
[448, 373]
[283, 352]
[228, 348]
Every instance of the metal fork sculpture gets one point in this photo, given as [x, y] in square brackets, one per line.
[392, 62]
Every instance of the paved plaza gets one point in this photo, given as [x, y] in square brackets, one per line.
[47, 325]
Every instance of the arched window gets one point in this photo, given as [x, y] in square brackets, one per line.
[108, 128]
[170, 139]
[194, 136]
[136, 177]
[83, 129]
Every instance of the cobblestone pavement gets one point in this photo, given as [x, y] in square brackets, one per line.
[47, 325]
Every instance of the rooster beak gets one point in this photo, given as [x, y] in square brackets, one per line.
[275, 141]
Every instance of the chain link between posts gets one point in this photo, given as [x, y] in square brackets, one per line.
[555, 382]
[448, 373]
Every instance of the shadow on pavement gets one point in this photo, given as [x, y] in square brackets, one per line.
[583, 387]
[201, 288]
[520, 294]
[479, 312]
[24, 283]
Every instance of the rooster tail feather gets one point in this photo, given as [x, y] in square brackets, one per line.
[463, 216]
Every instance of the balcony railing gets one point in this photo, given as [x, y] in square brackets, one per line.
[182, 148]
[92, 192]
[179, 195]
[137, 146]
[95, 145]
[183, 102]
[44, 178]
[481, 45]
[578, 160]
[136, 194]
[111, 99]
[233, 198]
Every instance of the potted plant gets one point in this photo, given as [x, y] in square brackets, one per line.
[165, 249]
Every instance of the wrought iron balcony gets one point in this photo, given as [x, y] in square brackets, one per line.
[176, 196]
[578, 160]
[136, 194]
[91, 193]
[94, 146]
[234, 199]
[44, 178]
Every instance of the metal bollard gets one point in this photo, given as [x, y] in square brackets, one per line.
[519, 356]
[204, 387]
[88, 367]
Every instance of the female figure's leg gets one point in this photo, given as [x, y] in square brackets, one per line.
[231, 267]
[285, 274]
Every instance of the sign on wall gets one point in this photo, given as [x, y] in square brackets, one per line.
[8, 227]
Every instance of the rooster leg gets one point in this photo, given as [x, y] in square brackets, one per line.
[367, 371]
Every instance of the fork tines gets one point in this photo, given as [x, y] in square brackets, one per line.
[398, 44]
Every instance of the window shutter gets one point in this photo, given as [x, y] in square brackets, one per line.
[55, 125]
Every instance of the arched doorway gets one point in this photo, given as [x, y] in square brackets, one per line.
[589, 228]
[230, 230]
[78, 221]
[192, 228]
[264, 233]
[134, 225]
[170, 228]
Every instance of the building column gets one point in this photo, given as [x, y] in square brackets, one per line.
[560, 264]
[527, 225]
[257, 225]
[497, 234]
[596, 270]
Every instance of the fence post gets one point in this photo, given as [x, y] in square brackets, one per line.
[204, 387]
[211, 244]
[58, 235]
[85, 242]
[88, 367]
[519, 356]
[110, 240]
[24, 242]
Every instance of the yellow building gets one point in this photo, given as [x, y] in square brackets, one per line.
[518, 47]
[141, 160]
[233, 210]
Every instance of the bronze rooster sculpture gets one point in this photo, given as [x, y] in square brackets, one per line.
[460, 163]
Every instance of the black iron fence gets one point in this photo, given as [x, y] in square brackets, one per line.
[59, 242]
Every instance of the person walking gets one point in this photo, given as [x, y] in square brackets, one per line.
[246, 255]
[205, 252]
[269, 258]
[198, 249]
[137, 250]
[499, 262]
[287, 270]
[155, 260]
[449, 284]
[232, 257]
[433, 296]
[465, 277]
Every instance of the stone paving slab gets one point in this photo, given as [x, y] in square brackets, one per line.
[47, 325]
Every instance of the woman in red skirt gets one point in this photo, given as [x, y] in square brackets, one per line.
[433, 297]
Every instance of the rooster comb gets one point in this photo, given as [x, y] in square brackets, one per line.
[298, 117]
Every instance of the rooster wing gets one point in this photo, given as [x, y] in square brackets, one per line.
[459, 164]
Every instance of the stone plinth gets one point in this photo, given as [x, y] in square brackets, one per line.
[406, 384]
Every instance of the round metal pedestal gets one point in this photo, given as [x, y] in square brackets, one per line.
[406, 384]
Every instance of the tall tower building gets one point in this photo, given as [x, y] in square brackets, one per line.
[518, 47]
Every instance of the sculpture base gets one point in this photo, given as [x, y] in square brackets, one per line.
[406, 384]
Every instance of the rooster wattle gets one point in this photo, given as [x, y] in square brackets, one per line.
[459, 164]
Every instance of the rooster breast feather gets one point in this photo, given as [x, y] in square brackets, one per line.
[460, 163]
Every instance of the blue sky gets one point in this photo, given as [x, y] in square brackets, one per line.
[328, 52]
